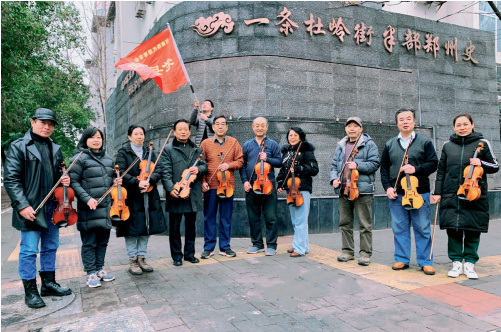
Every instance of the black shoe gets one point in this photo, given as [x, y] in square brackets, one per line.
[178, 263]
[50, 287]
[31, 296]
[192, 260]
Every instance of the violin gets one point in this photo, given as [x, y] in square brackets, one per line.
[224, 189]
[145, 168]
[411, 200]
[183, 187]
[351, 190]
[64, 215]
[262, 185]
[294, 196]
[119, 211]
[57, 183]
[470, 190]
[119, 177]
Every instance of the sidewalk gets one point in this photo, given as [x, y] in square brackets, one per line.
[259, 293]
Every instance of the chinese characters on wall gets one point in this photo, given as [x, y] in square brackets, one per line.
[362, 34]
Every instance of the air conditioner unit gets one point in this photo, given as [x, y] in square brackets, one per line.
[140, 9]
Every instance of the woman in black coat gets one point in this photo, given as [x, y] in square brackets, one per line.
[305, 167]
[91, 177]
[142, 222]
[463, 220]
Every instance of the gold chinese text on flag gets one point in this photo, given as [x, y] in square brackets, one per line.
[157, 58]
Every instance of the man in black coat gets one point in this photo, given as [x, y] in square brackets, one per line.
[31, 169]
[178, 156]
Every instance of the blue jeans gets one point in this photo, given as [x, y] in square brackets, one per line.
[136, 245]
[48, 248]
[299, 218]
[401, 220]
[211, 202]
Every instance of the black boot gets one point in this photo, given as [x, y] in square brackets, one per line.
[50, 287]
[31, 296]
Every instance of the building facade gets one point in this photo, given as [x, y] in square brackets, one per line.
[313, 65]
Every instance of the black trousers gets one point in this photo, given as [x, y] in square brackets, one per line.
[175, 235]
[94, 244]
[267, 204]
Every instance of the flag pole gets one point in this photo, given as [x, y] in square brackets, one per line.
[182, 64]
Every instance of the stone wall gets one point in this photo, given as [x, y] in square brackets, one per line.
[316, 81]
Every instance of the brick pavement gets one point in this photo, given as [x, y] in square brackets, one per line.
[259, 293]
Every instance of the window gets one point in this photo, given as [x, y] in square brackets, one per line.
[488, 21]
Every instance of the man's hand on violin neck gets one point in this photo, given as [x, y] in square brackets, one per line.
[144, 184]
[263, 156]
[223, 167]
[193, 170]
[118, 181]
[408, 169]
[65, 180]
[28, 213]
[351, 165]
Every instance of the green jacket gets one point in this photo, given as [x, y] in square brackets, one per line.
[174, 162]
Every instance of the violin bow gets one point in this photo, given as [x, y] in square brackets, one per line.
[158, 158]
[349, 156]
[57, 183]
[222, 159]
[434, 225]
[292, 165]
[402, 165]
[114, 183]
[263, 146]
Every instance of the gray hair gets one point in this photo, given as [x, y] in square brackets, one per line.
[262, 117]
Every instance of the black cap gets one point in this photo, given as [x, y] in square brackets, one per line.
[44, 114]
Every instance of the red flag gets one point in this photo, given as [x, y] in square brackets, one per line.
[157, 58]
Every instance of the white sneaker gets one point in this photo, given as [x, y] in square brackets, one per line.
[469, 271]
[457, 269]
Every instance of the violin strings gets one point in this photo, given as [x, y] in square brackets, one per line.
[159, 155]
[114, 184]
[208, 182]
[293, 161]
[57, 183]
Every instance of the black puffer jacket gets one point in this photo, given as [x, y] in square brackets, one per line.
[23, 180]
[91, 176]
[456, 213]
[305, 166]
[136, 225]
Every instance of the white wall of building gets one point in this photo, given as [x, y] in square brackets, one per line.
[467, 17]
